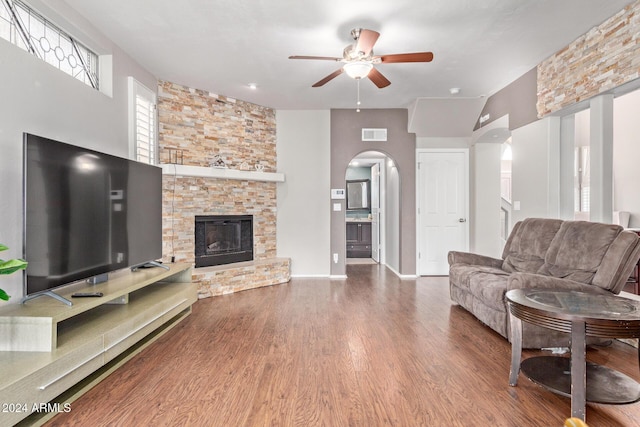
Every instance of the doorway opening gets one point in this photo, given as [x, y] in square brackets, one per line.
[372, 210]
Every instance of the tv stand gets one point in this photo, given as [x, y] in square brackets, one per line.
[53, 353]
[49, 294]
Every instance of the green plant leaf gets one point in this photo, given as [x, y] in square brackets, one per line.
[3, 247]
[4, 296]
[11, 266]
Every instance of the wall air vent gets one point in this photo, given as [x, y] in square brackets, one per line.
[371, 134]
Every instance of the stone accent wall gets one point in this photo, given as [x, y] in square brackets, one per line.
[605, 57]
[203, 125]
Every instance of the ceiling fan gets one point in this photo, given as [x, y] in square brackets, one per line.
[359, 60]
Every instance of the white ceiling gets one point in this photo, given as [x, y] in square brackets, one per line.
[220, 46]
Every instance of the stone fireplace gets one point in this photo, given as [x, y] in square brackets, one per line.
[201, 126]
[223, 239]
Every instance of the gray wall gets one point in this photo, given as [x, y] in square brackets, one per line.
[40, 99]
[302, 228]
[346, 143]
[518, 100]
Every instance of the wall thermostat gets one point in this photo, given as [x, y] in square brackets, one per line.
[337, 193]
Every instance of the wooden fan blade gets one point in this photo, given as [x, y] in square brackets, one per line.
[378, 79]
[407, 57]
[328, 78]
[366, 40]
[322, 58]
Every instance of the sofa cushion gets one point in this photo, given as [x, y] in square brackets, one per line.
[528, 244]
[461, 274]
[577, 250]
[489, 287]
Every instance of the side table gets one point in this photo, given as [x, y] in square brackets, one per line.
[580, 314]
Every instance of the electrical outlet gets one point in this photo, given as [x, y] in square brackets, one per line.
[335, 258]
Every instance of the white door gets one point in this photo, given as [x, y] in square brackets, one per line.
[375, 212]
[442, 208]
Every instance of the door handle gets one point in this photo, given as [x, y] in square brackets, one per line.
[462, 220]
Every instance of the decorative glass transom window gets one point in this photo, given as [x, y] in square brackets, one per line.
[25, 28]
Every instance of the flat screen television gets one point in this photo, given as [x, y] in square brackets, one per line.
[86, 214]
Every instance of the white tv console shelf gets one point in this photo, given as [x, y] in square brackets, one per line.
[52, 353]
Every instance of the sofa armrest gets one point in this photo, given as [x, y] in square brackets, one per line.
[456, 257]
[539, 281]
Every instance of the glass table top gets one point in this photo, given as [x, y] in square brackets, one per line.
[577, 303]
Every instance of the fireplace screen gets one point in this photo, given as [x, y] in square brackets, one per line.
[222, 236]
[223, 239]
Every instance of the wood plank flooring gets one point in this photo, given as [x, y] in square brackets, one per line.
[370, 350]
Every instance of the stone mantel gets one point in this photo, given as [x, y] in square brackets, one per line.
[210, 172]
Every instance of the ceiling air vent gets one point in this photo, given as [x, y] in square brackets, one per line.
[371, 134]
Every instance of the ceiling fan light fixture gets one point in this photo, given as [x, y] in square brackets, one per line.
[359, 60]
[357, 69]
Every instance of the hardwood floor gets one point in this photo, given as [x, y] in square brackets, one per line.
[370, 350]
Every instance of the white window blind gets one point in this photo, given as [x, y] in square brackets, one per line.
[582, 179]
[145, 144]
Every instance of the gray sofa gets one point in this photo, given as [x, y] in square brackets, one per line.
[543, 253]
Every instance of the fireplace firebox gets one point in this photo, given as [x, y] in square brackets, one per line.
[223, 239]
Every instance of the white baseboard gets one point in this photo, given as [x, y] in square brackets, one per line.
[402, 276]
[344, 276]
[310, 276]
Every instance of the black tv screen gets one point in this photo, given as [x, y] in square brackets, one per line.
[86, 213]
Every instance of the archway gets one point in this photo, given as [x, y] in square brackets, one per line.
[372, 233]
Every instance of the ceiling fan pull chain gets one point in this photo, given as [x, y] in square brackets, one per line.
[358, 101]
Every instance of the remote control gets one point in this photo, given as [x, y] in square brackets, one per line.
[86, 294]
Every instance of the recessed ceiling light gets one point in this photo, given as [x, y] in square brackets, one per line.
[252, 86]
[454, 90]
